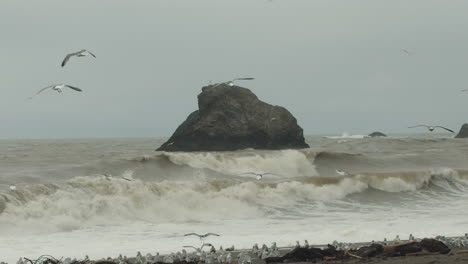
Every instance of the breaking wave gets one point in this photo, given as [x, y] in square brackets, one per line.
[96, 200]
[293, 163]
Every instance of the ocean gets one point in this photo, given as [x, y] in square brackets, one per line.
[105, 197]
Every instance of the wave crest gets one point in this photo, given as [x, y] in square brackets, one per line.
[94, 200]
[283, 162]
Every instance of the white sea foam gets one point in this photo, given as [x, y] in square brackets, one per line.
[287, 163]
[89, 201]
[347, 135]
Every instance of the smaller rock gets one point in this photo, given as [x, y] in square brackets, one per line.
[377, 134]
[463, 131]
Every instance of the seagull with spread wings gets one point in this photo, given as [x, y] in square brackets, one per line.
[201, 236]
[81, 53]
[406, 51]
[343, 173]
[431, 128]
[231, 82]
[12, 187]
[58, 88]
[200, 248]
[257, 175]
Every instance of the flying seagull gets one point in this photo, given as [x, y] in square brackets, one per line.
[80, 53]
[12, 187]
[259, 176]
[201, 236]
[231, 82]
[200, 248]
[58, 88]
[110, 177]
[431, 128]
[127, 179]
[406, 51]
[343, 173]
[464, 90]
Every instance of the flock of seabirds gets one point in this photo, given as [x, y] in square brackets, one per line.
[230, 255]
[84, 52]
[221, 255]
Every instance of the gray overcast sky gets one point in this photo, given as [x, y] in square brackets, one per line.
[336, 65]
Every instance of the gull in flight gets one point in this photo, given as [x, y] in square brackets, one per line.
[231, 82]
[58, 88]
[201, 236]
[11, 187]
[343, 173]
[110, 177]
[406, 51]
[80, 53]
[258, 176]
[464, 90]
[200, 248]
[431, 128]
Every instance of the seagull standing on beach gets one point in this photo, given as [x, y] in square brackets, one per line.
[258, 176]
[81, 53]
[431, 128]
[58, 88]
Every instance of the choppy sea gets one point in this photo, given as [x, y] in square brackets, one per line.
[104, 197]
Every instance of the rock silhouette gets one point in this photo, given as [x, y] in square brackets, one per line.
[463, 133]
[232, 118]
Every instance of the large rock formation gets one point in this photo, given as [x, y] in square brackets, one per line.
[463, 131]
[231, 118]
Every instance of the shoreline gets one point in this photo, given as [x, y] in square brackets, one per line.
[344, 253]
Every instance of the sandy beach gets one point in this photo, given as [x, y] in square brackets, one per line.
[455, 255]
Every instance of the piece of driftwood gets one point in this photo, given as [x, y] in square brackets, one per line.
[434, 245]
[44, 259]
[422, 253]
[369, 251]
[352, 255]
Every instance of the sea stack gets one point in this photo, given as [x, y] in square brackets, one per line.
[377, 134]
[463, 133]
[231, 118]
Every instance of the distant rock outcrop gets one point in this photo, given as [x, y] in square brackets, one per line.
[463, 131]
[231, 118]
[377, 134]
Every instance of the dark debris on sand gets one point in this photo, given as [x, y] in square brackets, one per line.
[427, 246]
